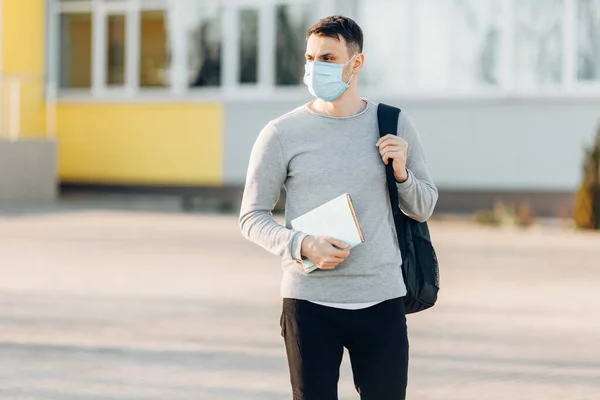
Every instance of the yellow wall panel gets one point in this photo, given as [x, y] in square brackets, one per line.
[23, 43]
[23, 25]
[156, 144]
[31, 106]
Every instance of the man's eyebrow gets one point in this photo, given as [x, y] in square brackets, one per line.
[325, 55]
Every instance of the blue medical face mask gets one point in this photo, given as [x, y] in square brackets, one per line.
[325, 81]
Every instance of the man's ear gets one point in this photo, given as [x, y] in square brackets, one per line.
[358, 63]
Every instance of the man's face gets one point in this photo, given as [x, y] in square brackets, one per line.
[330, 50]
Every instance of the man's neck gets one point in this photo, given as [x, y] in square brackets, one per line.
[350, 103]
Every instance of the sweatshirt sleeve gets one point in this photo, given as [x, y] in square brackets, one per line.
[266, 175]
[418, 194]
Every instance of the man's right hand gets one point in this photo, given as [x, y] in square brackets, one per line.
[325, 252]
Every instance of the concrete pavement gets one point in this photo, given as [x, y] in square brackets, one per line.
[108, 304]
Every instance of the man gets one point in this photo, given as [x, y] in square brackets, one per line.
[317, 152]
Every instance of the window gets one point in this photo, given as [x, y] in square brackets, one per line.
[411, 46]
[386, 59]
[292, 22]
[539, 45]
[203, 32]
[75, 59]
[588, 49]
[459, 43]
[248, 69]
[154, 60]
[476, 36]
[433, 57]
[432, 45]
[115, 59]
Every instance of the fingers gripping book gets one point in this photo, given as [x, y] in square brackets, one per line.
[335, 218]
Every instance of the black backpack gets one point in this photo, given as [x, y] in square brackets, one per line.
[419, 262]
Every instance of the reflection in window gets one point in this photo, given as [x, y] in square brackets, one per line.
[476, 40]
[539, 46]
[456, 43]
[292, 23]
[204, 43]
[459, 43]
[248, 46]
[75, 51]
[115, 71]
[153, 50]
[386, 61]
[589, 40]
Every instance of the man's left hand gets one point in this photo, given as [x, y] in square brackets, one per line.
[392, 147]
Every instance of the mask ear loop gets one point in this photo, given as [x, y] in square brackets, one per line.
[350, 80]
[351, 76]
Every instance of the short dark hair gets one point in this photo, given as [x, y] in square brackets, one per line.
[337, 26]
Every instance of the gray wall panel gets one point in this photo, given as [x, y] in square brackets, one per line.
[28, 171]
[489, 145]
[243, 122]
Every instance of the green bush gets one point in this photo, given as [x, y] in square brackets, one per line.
[587, 198]
[507, 215]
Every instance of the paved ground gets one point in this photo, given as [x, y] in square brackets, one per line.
[99, 305]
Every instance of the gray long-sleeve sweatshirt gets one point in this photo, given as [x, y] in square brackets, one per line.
[317, 158]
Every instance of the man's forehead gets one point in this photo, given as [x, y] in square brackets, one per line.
[322, 45]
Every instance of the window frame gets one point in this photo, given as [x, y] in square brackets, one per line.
[100, 12]
[231, 89]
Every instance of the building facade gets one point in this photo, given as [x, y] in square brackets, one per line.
[163, 93]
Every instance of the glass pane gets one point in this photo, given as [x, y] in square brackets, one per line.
[248, 46]
[476, 39]
[115, 69]
[589, 40]
[75, 62]
[432, 45]
[203, 30]
[459, 43]
[292, 23]
[385, 50]
[539, 46]
[154, 60]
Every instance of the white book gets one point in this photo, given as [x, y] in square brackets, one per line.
[336, 218]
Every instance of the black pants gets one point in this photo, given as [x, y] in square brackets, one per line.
[376, 339]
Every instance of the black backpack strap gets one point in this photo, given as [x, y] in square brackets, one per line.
[387, 119]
